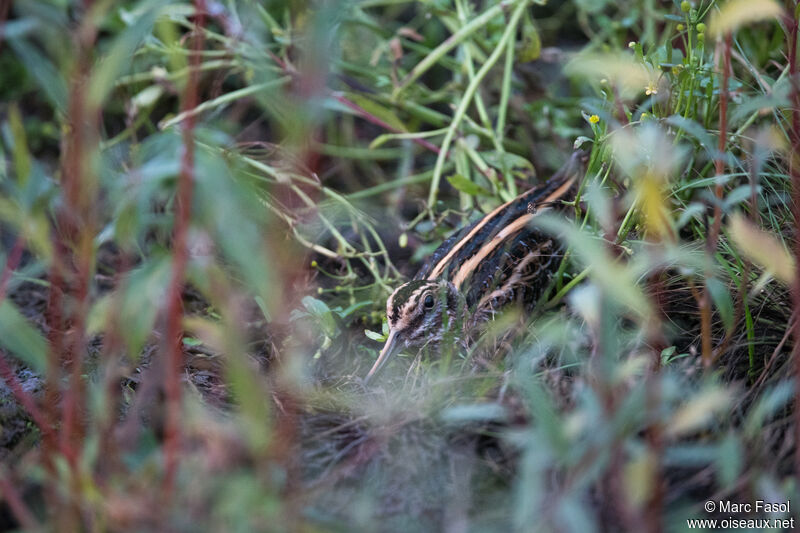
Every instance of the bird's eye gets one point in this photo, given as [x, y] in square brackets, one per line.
[428, 303]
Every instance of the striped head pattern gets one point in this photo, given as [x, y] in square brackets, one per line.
[420, 313]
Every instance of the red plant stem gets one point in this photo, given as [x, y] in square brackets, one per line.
[73, 240]
[180, 257]
[17, 505]
[655, 433]
[77, 222]
[704, 303]
[54, 319]
[794, 171]
[719, 162]
[112, 345]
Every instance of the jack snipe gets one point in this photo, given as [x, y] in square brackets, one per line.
[494, 262]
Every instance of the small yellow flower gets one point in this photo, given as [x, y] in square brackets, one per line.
[631, 44]
[651, 89]
[644, 116]
[594, 119]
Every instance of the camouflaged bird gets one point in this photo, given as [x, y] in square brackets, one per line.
[491, 264]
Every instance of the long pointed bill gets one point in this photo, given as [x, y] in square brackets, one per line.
[388, 350]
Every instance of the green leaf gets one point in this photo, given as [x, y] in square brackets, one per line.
[466, 186]
[148, 96]
[244, 379]
[639, 475]
[666, 354]
[736, 13]
[580, 140]
[380, 337]
[620, 69]
[778, 96]
[722, 301]
[191, 341]
[693, 210]
[770, 402]
[531, 47]
[134, 305]
[43, 71]
[218, 195]
[262, 305]
[739, 195]
[320, 310]
[22, 157]
[729, 460]
[167, 31]
[315, 307]
[762, 248]
[15, 29]
[480, 412]
[20, 338]
[119, 56]
[35, 228]
[377, 110]
[344, 313]
[696, 130]
[505, 160]
[699, 411]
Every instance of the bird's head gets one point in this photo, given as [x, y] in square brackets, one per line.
[419, 313]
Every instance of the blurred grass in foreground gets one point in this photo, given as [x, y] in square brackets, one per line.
[204, 205]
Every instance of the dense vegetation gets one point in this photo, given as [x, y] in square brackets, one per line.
[205, 205]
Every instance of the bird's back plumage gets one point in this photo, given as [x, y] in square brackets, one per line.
[497, 261]
[500, 258]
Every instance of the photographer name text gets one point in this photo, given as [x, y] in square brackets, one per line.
[758, 506]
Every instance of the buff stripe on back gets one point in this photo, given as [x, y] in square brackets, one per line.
[440, 266]
[510, 229]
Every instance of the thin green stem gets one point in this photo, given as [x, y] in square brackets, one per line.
[509, 33]
[224, 99]
[452, 41]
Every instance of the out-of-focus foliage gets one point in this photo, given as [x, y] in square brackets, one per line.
[336, 145]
